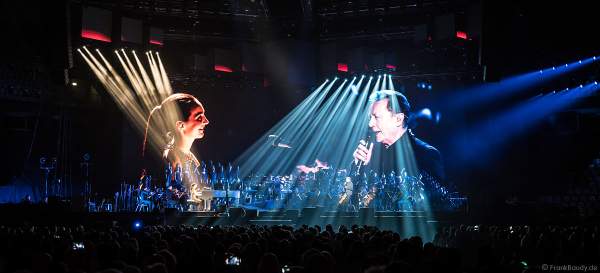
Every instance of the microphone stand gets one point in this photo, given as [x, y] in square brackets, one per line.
[227, 196]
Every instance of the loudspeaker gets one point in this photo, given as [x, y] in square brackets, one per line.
[237, 212]
[311, 216]
[96, 24]
[292, 214]
[366, 212]
[251, 213]
[131, 30]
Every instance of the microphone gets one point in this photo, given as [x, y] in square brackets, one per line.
[360, 163]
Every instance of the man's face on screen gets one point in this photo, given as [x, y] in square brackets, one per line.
[384, 123]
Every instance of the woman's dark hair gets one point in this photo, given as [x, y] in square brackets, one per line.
[163, 117]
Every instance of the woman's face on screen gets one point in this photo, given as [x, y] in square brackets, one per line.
[193, 126]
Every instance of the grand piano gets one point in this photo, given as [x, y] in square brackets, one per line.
[203, 198]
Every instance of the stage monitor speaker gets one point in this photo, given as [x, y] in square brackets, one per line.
[310, 216]
[292, 214]
[236, 214]
[251, 213]
[171, 212]
[58, 204]
[366, 212]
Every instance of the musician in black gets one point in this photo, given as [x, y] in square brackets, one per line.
[397, 150]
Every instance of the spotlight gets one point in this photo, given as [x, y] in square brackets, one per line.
[579, 61]
[426, 112]
[429, 87]
[581, 85]
[594, 58]
[73, 83]
[137, 225]
[566, 65]
[567, 88]
[553, 68]
[541, 71]
[595, 82]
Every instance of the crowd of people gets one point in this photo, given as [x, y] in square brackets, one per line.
[580, 197]
[274, 249]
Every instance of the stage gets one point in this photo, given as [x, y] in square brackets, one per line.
[58, 214]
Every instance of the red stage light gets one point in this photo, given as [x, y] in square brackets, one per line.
[223, 68]
[155, 42]
[390, 66]
[94, 35]
[461, 35]
[343, 67]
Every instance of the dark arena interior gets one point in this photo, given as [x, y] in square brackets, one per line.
[301, 136]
